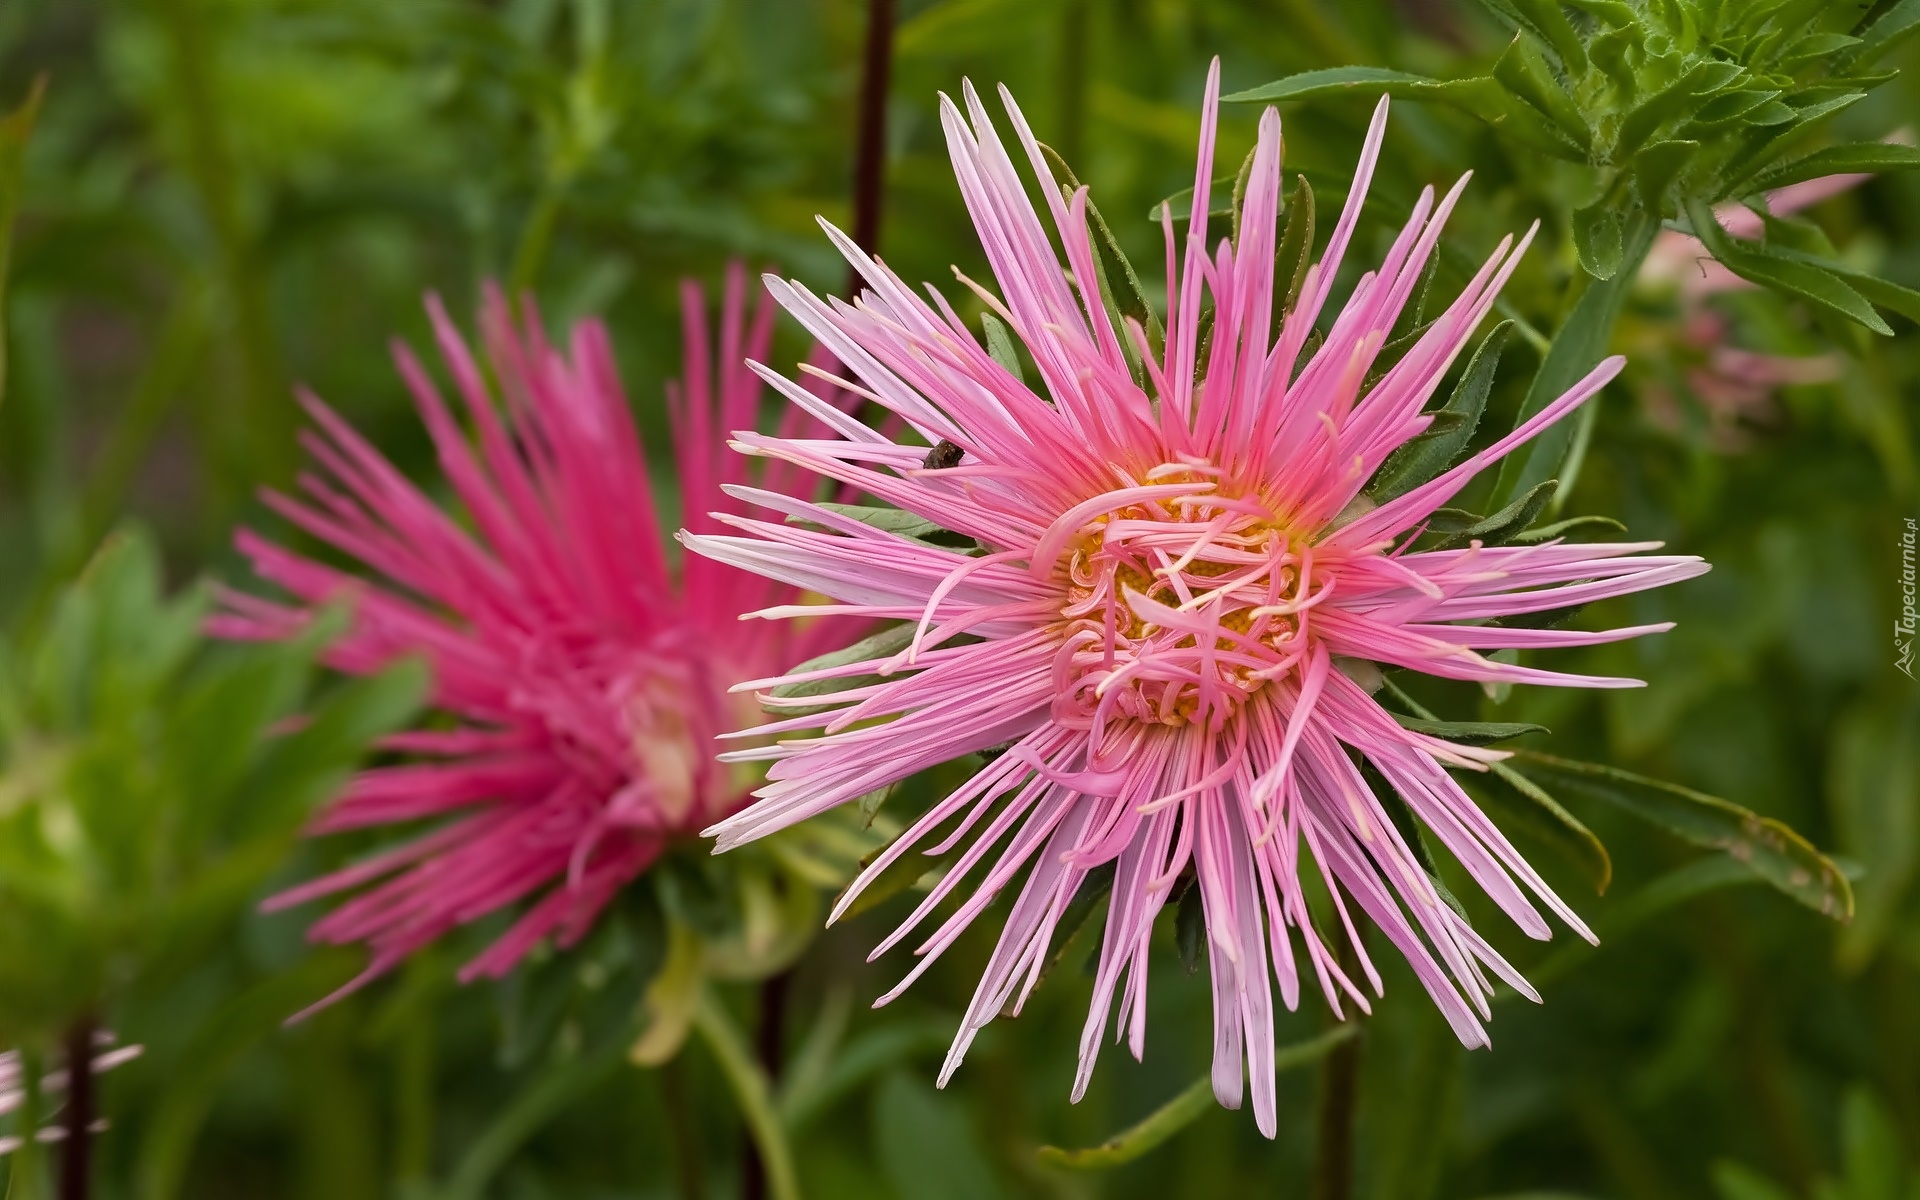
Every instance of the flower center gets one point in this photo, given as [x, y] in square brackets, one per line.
[1179, 608]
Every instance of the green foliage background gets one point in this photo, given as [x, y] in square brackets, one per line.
[224, 198]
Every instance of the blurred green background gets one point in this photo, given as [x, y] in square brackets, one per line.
[226, 198]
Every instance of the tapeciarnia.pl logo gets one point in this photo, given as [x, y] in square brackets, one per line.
[1903, 627]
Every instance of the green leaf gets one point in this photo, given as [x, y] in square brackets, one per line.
[1294, 254]
[1503, 526]
[1547, 21]
[1468, 733]
[1181, 1111]
[1768, 848]
[1673, 102]
[1339, 81]
[1657, 166]
[1546, 533]
[1397, 810]
[1000, 346]
[1526, 75]
[893, 520]
[1596, 239]
[1758, 263]
[1423, 458]
[874, 647]
[1077, 918]
[901, 874]
[1190, 927]
[1481, 96]
[1120, 285]
[1893, 27]
[1850, 158]
[1578, 346]
[1559, 828]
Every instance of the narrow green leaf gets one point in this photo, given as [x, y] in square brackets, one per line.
[894, 520]
[1657, 166]
[1075, 920]
[1893, 27]
[1547, 21]
[1411, 832]
[1503, 526]
[1120, 284]
[1546, 533]
[1181, 1111]
[900, 875]
[1523, 802]
[875, 647]
[1190, 928]
[1294, 254]
[1338, 81]
[1528, 76]
[1847, 159]
[1578, 346]
[1481, 96]
[1756, 263]
[1673, 102]
[1000, 346]
[1468, 733]
[1768, 848]
[1426, 456]
[1596, 239]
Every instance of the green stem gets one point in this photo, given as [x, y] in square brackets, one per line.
[536, 235]
[1578, 345]
[1339, 1098]
[752, 1093]
[686, 1143]
[260, 447]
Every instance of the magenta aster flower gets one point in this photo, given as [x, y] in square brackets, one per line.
[1170, 579]
[584, 673]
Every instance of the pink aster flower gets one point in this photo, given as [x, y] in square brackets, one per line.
[584, 673]
[1169, 581]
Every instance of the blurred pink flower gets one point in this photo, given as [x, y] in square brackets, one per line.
[584, 674]
[1679, 259]
[1734, 386]
[1160, 624]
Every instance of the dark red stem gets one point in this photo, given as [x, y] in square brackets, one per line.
[76, 1160]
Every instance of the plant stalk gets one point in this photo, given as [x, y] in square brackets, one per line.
[76, 1152]
[869, 194]
[1339, 1098]
[686, 1145]
[753, 1092]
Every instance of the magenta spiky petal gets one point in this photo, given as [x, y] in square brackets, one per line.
[582, 677]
